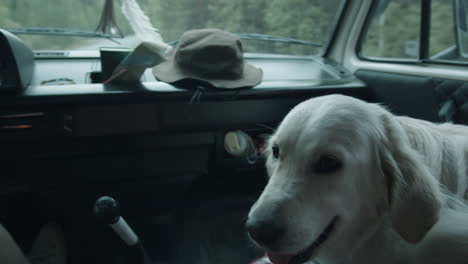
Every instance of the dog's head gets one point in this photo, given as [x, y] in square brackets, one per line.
[339, 170]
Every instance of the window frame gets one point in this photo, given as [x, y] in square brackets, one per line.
[338, 23]
[424, 40]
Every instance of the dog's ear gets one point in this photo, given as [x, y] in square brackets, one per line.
[413, 193]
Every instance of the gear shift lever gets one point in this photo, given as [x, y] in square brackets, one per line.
[107, 210]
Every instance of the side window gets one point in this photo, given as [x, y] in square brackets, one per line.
[441, 36]
[393, 30]
[415, 31]
[461, 18]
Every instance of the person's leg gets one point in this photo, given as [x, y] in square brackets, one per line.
[10, 253]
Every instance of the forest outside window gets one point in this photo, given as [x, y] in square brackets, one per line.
[293, 27]
[414, 31]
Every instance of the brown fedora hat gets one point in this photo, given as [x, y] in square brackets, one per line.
[209, 56]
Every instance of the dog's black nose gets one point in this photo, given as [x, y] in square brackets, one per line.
[265, 232]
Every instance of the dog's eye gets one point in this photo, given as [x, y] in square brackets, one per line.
[276, 151]
[327, 164]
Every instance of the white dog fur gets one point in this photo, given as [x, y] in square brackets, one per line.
[399, 195]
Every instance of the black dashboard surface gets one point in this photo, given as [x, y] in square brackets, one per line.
[148, 144]
[84, 108]
[92, 132]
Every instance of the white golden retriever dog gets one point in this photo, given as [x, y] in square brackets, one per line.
[351, 183]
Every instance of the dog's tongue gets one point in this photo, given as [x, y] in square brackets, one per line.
[278, 259]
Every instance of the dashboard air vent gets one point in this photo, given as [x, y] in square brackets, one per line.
[21, 122]
[51, 54]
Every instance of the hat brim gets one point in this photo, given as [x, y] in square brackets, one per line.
[169, 72]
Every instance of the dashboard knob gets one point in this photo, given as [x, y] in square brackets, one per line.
[239, 144]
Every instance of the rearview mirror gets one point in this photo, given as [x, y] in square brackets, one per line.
[460, 9]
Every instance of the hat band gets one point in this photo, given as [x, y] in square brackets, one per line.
[230, 71]
[218, 75]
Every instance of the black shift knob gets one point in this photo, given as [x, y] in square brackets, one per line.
[107, 210]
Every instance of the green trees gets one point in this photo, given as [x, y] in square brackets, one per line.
[301, 19]
[395, 33]
[5, 18]
[391, 32]
[442, 26]
[310, 20]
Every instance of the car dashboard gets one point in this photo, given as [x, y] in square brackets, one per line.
[68, 139]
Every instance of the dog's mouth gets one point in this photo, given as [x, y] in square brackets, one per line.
[307, 252]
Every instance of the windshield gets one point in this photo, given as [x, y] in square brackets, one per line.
[298, 27]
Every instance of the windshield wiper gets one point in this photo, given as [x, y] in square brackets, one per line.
[61, 32]
[265, 37]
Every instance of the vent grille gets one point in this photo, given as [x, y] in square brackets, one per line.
[53, 54]
[22, 122]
